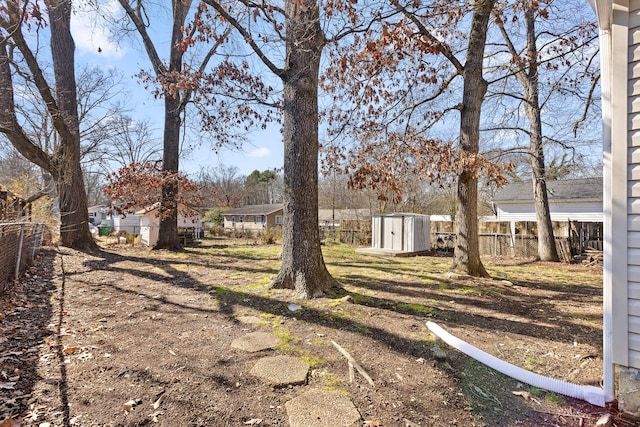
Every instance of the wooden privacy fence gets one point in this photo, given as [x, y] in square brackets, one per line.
[20, 242]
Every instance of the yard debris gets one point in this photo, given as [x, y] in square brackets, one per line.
[373, 423]
[526, 396]
[158, 402]
[253, 421]
[131, 404]
[294, 307]
[604, 420]
[10, 422]
[352, 364]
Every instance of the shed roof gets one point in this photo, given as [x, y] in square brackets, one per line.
[156, 205]
[570, 189]
[255, 209]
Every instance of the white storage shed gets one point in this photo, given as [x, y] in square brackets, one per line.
[402, 232]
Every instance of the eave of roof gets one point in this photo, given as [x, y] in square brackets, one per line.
[255, 210]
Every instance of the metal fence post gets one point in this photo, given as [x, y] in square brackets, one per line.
[19, 254]
[37, 240]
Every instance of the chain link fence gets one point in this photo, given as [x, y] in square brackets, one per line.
[20, 242]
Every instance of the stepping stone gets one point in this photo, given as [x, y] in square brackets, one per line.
[281, 371]
[255, 341]
[249, 320]
[320, 408]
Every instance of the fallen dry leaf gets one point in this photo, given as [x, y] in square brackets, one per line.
[71, 350]
[131, 404]
[10, 422]
[524, 394]
[158, 402]
[373, 423]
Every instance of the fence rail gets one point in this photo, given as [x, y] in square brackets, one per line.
[20, 242]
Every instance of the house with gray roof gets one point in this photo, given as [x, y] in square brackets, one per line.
[569, 200]
[254, 217]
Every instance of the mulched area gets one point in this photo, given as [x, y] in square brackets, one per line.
[127, 337]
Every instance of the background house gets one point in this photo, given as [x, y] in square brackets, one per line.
[254, 217]
[98, 213]
[189, 224]
[110, 221]
[575, 205]
[573, 199]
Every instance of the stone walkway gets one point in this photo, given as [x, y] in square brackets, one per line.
[313, 408]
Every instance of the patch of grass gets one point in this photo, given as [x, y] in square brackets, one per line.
[553, 398]
[479, 290]
[259, 284]
[287, 342]
[535, 391]
[575, 315]
[419, 308]
[331, 382]
[312, 360]
[270, 320]
[531, 362]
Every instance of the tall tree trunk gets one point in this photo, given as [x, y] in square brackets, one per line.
[546, 240]
[466, 255]
[74, 214]
[64, 163]
[168, 233]
[303, 268]
[547, 250]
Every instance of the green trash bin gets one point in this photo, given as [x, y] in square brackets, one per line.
[105, 231]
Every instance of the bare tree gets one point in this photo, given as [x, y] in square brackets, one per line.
[61, 104]
[554, 50]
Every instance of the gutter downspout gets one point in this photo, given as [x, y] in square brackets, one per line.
[607, 284]
[604, 13]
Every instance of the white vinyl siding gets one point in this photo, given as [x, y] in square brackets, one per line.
[632, 290]
[584, 211]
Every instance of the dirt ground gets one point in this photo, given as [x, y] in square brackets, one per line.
[129, 337]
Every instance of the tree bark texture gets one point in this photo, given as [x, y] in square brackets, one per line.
[466, 255]
[547, 250]
[168, 233]
[303, 268]
[64, 163]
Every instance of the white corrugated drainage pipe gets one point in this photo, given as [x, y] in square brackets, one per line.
[591, 394]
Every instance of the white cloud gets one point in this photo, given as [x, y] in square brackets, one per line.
[90, 33]
[259, 152]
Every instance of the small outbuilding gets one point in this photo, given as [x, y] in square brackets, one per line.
[401, 233]
[189, 224]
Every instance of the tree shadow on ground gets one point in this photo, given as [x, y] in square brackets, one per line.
[26, 317]
[414, 300]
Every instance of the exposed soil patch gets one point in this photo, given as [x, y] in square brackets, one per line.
[129, 337]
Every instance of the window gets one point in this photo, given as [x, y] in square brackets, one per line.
[258, 219]
[279, 219]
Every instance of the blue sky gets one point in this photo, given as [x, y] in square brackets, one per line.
[95, 47]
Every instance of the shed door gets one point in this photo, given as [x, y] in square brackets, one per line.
[392, 233]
